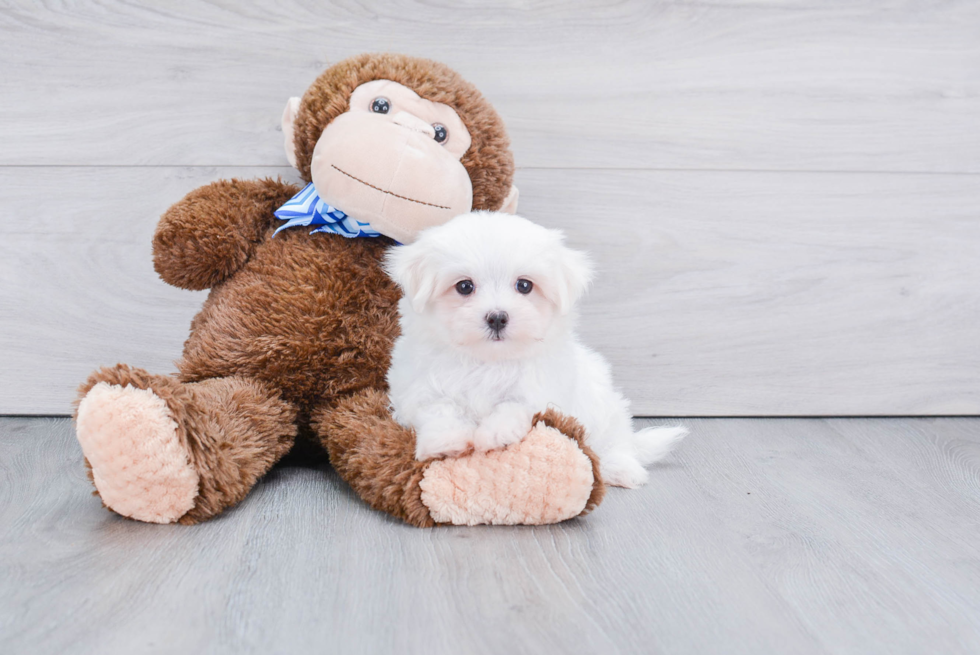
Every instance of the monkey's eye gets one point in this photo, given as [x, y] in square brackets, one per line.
[380, 106]
[464, 287]
[441, 132]
[524, 286]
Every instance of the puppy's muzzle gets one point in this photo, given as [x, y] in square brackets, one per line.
[497, 321]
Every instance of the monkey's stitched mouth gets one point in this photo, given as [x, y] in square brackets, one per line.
[368, 184]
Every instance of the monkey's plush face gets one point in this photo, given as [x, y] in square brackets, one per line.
[392, 160]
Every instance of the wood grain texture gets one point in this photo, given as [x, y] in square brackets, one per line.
[718, 293]
[782, 196]
[757, 536]
[869, 85]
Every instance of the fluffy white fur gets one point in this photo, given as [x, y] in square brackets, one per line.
[462, 384]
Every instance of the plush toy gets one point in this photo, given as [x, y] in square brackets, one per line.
[294, 340]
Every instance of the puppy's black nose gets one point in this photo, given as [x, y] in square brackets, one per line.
[497, 321]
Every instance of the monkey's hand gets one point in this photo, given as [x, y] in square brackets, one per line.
[212, 232]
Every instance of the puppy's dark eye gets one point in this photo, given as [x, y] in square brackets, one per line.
[441, 132]
[380, 106]
[464, 287]
[524, 286]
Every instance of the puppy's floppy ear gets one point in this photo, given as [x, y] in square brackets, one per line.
[410, 267]
[572, 278]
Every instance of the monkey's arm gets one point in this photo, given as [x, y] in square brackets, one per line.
[213, 231]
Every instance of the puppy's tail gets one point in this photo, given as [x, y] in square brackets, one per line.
[653, 444]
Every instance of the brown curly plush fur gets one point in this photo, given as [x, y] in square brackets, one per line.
[312, 315]
[211, 233]
[383, 469]
[298, 329]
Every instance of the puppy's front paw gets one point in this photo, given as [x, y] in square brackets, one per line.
[443, 436]
[507, 424]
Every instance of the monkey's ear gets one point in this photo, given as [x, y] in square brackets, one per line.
[288, 120]
[510, 202]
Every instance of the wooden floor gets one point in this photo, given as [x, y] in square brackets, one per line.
[757, 536]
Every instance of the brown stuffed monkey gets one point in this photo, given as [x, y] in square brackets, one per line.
[294, 339]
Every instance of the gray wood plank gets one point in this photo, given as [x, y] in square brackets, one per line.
[757, 536]
[792, 84]
[843, 518]
[718, 293]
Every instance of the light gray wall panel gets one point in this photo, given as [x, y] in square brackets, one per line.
[727, 293]
[782, 196]
[792, 84]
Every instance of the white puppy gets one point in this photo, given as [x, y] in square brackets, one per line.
[487, 341]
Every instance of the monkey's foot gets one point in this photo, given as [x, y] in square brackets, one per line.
[544, 478]
[549, 476]
[139, 465]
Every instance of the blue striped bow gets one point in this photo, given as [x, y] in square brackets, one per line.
[306, 209]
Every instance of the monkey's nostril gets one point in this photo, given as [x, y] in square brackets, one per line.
[497, 321]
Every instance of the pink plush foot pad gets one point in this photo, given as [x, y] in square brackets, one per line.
[140, 468]
[545, 478]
